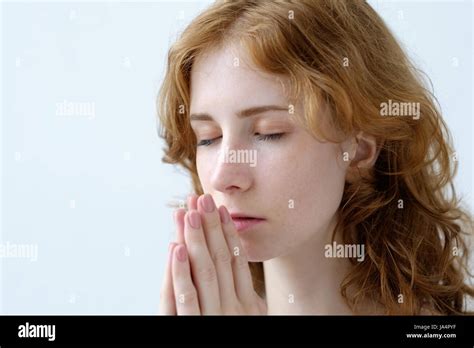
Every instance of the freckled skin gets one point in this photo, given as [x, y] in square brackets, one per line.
[295, 167]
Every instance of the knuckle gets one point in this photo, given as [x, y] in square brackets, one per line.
[212, 221]
[221, 255]
[207, 274]
[240, 262]
[195, 237]
[230, 235]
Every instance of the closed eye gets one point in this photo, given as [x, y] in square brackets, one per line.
[266, 137]
[207, 142]
[262, 137]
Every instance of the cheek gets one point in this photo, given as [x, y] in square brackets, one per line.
[321, 182]
[309, 184]
[322, 177]
[205, 164]
[305, 172]
[321, 195]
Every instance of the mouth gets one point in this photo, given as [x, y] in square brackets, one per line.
[244, 222]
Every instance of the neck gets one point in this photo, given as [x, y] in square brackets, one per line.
[305, 281]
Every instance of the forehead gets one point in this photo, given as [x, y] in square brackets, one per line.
[226, 76]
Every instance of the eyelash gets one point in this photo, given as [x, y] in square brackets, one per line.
[262, 137]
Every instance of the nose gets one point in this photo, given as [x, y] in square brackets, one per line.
[234, 168]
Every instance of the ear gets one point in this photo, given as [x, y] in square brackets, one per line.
[363, 154]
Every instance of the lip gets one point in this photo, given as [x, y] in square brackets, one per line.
[244, 221]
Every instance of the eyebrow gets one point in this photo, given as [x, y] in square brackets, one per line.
[242, 113]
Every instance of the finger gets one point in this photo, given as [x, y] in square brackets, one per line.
[186, 297]
[167, 302]
[202, 268]
[192, 202]
[218, 249]
[179, 223]
[240, 266]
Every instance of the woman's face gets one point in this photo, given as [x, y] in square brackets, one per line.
[293, 181]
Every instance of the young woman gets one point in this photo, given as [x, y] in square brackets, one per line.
[320, 165]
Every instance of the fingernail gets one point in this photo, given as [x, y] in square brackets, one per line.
[194, 219]
[208, 203]
[224, 215]
[181, 253]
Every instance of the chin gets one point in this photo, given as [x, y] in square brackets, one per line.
[258, 252]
